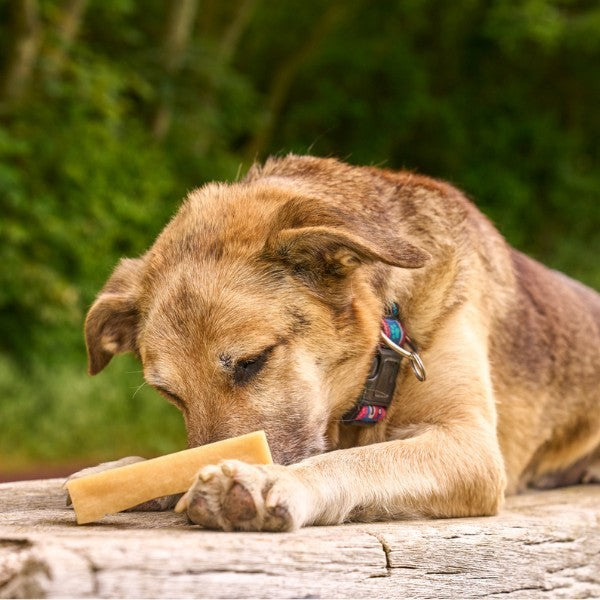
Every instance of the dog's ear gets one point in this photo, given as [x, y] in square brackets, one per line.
[334, 251]
[112, 321]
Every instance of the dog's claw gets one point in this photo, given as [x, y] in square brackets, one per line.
[208, 473]
[228, 470]
[182, 503]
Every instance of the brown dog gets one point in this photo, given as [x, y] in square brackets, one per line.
[260, 307]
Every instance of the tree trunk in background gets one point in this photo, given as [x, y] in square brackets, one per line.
[283, 79]
[229, 37]
[233, 33]
[23, 56]
[67, 28]
[180, 22]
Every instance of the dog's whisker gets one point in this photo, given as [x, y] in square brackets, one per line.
[239, 171]
[139, 387]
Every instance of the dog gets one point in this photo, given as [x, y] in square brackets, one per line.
[271, 303]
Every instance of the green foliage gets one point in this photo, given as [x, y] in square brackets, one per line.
[59, 219]
[496, 97]
[55, 413]
[115, 125]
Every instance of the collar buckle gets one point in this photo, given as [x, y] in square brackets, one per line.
[415, 360]
[378, 392]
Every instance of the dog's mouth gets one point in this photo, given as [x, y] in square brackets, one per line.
[295, 440]
[287, 456]
[283, 451]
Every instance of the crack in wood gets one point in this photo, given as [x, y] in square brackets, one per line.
[386, 551]
[93, 572]
[549, 541]
[23, 573]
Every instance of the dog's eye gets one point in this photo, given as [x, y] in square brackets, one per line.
[248, 368]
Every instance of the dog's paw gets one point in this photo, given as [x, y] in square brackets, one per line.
[163, 503]
[237, 496]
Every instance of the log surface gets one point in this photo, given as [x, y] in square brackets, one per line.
[543, 544]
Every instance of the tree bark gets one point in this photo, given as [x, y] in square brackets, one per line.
[24, 53]
[282, 81]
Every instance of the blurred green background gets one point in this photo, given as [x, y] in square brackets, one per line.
[110, 110]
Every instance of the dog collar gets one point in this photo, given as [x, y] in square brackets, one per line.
[378, 393]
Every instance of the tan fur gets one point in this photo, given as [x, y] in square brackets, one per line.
[291, 270]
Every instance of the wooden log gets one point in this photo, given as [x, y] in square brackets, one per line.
[543, 544]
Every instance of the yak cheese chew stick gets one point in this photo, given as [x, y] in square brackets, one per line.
[95, 496]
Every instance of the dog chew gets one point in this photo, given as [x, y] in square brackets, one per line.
[100, 494]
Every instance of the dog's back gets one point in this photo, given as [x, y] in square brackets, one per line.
[548, 398]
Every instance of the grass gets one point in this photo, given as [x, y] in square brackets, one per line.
[56, 414]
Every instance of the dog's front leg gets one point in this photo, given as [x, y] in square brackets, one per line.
[447, 471]
[444, 472]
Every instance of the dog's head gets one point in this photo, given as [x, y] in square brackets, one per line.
[254, 309]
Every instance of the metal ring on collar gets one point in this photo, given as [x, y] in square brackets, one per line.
[415, 360]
